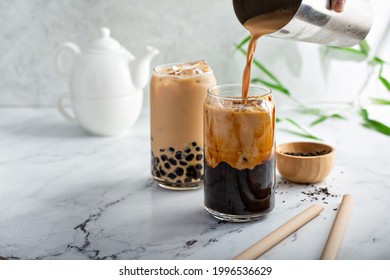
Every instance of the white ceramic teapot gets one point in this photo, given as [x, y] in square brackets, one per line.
[106, 85]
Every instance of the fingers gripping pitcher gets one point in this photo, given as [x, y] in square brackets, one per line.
[177, 95]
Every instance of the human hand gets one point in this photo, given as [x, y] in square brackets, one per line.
[338, 5]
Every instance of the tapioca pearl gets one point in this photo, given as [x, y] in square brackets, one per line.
[167, 165]
[190, 169]
[172, 176]
[187, 150]
[179, 155]
[173, 161]
[197, 175]
[156, 160]
[179, 171]
[162, 172]
[193, 144]
[183, 163]
[157, 174]
[198, 149]
[162, 150]
[198, 167]
[164, 158]
[190, 157]
[199, 157]
[171, 149]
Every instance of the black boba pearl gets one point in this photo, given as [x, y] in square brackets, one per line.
[198, 149]
[179, 171]
[164, 157]
[190, 170]
[187, 150]
[162, 150]
[171, 149]
[162, 172]
[193, 144]
[183, 163]
[199, 157]
[167, 165]
[190, 157]
[171, 175]
[156, 160]
[198, 167]
[179, 155]
[197, 175]
[157, 174]
[173, 161]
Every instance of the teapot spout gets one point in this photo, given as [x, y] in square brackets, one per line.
[140, 67]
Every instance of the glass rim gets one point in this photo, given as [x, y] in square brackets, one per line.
[166, 65]
[268, 92]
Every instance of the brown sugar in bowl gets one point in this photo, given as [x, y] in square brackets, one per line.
[305, 162]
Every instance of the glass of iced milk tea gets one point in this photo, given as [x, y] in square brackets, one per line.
[177, 94]
[239, 153]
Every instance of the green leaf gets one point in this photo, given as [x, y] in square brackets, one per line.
[379, 101]
[243, 42]
[324, 118]
[338, 116]
[385, 82]
[311, 111]
[278, 120]
[272, 86]
[365, 47]
[304, 132]
[319, 120]
[377, 126]
[373, 124]
[364, 114]
[378, 60]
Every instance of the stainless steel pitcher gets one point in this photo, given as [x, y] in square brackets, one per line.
[314, 21]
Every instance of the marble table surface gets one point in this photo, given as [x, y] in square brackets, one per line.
[65, 194]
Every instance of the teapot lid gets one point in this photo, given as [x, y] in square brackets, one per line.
[106, 42]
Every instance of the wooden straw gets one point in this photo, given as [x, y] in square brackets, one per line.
[339, 225]
[280, 233]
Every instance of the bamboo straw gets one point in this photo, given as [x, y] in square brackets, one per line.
[339, 225]
[280, 233]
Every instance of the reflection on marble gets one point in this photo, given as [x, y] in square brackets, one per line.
[67, 195]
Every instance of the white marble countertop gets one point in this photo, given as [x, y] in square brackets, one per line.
[67, 195]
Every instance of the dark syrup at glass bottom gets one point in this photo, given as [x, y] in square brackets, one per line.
[240, 192]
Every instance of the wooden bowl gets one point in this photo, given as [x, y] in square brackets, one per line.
[310, 162]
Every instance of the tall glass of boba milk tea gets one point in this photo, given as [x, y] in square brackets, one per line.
[239, 153]
[177, 94]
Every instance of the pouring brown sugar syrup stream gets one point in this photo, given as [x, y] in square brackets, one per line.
[259, 26]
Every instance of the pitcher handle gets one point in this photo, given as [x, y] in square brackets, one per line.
[63, 112]
[66, 46]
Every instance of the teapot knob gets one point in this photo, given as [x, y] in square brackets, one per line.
[106, 32]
